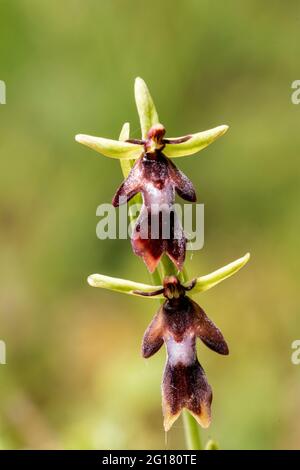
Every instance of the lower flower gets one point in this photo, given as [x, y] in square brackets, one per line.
[178, 323]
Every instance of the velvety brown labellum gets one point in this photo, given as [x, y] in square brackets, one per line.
[177, 324]
[157, 229]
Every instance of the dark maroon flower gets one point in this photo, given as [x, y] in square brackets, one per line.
[177, 324]
[155, 176]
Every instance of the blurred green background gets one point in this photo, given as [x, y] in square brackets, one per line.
[74, 376]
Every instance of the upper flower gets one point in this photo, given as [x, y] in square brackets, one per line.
[157, 229]
[155, 177]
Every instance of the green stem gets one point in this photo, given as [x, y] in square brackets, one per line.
[191, 432]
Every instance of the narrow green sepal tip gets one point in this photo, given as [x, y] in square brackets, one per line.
[195, 143]
[121, 285]
[125, 132]
[145, 106]
[208, 281]
[109, 147]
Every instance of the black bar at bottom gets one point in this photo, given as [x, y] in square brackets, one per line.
[137, 458]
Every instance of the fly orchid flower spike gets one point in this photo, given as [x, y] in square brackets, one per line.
[155, 176]
[148, 170]
[178, 322]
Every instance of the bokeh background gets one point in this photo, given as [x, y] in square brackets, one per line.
[74, 376]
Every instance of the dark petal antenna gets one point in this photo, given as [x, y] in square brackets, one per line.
[149, 294]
